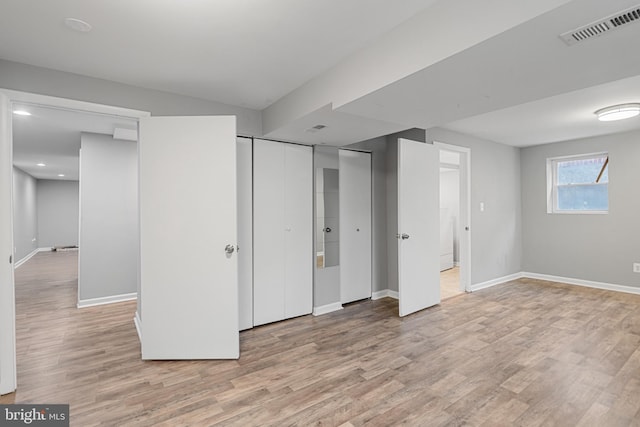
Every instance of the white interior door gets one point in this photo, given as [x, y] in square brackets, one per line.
[7, 297]
[245, 232]
[189, 286]
[355, 225]
[418, 226]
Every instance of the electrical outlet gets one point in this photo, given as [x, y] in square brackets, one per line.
[636, 267]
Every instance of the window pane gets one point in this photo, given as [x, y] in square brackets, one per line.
[582, 171]
[583, 197]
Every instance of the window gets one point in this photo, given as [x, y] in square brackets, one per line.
[578, 184]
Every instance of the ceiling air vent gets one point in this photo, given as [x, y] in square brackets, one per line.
[316, 128]
[601, 26]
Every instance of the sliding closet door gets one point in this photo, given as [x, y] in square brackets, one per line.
[244, 153]
[283, 231]
[355, 225]
[269, 232]
[298, 213]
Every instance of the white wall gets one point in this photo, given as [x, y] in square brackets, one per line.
[593, 247]
[25, 223]
[108, 263]
[58, 211]
[496, 233]
[450, 200]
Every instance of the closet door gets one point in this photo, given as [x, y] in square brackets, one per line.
[244, 154]
[269, 232]
[355, 225]
[298, 214]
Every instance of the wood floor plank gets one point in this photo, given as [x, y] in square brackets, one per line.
[526, 353]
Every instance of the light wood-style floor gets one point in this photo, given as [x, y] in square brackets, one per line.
[450, 283]
[526, 353]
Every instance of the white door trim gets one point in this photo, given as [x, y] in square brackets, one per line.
[7, 317]
[465, 243]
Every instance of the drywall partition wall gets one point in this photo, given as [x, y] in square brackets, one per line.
[378, 149]
[25, 226]
[58, 212]
[29, 78]
[593, 247]
[108, 262]
[496, 232]
[326, 289]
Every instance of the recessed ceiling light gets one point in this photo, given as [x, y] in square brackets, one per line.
[41, 164]
[78, 25]
[60, 174]
[21, 113]
[618, 112]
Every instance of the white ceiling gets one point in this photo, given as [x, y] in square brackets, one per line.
[529, 65]
[557, 118]
[521, 87]
[241, 52]
[52, 136]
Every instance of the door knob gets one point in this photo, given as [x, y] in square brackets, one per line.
[404, 236]
[327, 230]
[229, 249]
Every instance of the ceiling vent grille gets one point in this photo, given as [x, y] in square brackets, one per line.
[602, 26]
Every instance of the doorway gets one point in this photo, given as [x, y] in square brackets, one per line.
[11, 101]
[454, 220]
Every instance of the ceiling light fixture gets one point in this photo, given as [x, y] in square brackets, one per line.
[21, 113]
[618, 112]
[41, 165]
[78, 25]
[60, 174]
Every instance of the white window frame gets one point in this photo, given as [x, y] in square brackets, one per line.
[552, 186]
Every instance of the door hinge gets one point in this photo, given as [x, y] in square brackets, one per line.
[10, 259]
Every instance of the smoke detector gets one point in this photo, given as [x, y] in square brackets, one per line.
[602, 26]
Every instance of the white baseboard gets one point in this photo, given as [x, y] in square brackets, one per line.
[496, 281]
[28, 257]
[138, 323]
[107, 300]
[585, 283]
[385, 293]
[324, 309]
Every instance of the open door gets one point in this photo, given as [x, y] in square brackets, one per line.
[418, 226]
[7, 297]
[188, 264]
